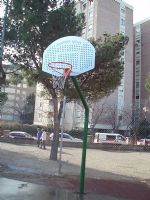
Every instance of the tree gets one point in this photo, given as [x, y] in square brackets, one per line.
[97, 110]
[27, 114]
[144, 129]
[147, 85]
[137, 122]
[34, 24]
[108, 71]
[16, 109]
[3, 99]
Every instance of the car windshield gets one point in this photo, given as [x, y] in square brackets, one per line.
[17, 134]
[66, 136]
[110, 137]
[121, 138]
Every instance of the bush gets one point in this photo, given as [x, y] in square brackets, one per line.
[13, 126]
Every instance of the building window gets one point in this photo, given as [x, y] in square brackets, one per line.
[122, 60]
[122, 22]
[123, 10]
[137, 84]
[137, 97]
[137, 62]
[138, 29]
[137, 73]
[91, 2]
[9, 90]
[18, 91]
[24, 92]
[24, 85]
[137, 41]
[19, 85]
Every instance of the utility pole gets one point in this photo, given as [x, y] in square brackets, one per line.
[3, 4]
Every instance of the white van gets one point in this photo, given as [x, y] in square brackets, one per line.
[109, 138]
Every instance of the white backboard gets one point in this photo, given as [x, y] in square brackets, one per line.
[74, 50]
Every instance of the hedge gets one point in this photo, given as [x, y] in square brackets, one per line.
[14, 126]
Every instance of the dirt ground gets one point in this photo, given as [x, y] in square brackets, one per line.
[99, 164]
[128, 172]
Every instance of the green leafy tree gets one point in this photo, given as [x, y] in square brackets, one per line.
[33, 25]
[27, 114]
[144, 129]
[147, 85]
[3, 99]
[108, 71]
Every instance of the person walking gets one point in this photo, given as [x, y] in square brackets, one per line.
[38, 136]
[43, 138]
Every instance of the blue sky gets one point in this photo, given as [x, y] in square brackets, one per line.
[141, 9]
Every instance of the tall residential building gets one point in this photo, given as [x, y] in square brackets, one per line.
[141, 66]
[110, 16]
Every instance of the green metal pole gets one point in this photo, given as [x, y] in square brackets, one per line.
[84, 146]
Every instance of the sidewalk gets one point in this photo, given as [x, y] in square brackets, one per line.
[68, 188]
[12, 189]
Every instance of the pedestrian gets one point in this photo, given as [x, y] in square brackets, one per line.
[43, 139]
[38, 136]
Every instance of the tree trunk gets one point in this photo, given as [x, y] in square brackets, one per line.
[57, 117]
[55, 142]
[2, 74]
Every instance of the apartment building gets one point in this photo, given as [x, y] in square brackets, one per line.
[141, 68]
[109, 16]
[43, 114]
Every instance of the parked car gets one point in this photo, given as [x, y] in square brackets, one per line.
[66, 138]
[20, 135]
[144, 141]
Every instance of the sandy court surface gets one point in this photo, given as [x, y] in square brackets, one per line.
[99, 164]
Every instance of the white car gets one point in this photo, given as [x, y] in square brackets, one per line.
[20, 135]
[143, 142]
[66, 138]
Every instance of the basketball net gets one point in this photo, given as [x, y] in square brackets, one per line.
[59, 81]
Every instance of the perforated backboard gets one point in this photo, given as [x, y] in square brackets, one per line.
[73, 50]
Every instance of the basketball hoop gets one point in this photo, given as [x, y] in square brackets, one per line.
[68, 56]
[62, 71]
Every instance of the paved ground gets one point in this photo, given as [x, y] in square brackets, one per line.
[121, 174]
[16, 190]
